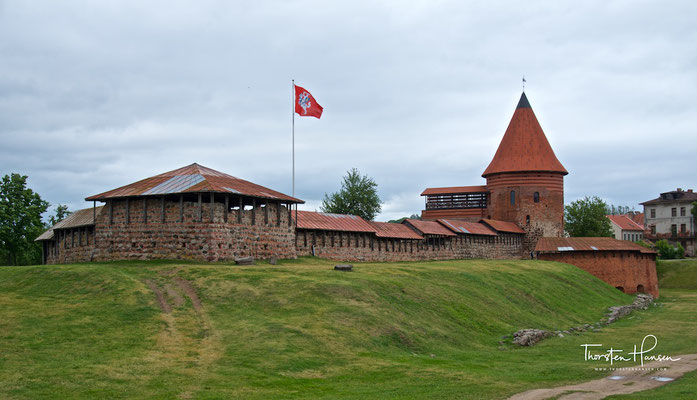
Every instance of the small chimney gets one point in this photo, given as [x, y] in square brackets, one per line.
[679, 189]
[689, 190]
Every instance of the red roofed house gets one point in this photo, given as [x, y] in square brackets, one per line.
[524, 184]
[624, 228]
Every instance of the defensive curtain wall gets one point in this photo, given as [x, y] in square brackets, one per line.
[625, 265]
[351, 238]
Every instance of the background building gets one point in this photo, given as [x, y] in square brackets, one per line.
[624, 228]
[670, 217]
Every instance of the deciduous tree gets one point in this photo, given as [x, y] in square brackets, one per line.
[586, 217]
[358, 196]
[20, 219]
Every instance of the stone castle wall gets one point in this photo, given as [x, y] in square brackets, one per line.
[346, 246]
[140, 233]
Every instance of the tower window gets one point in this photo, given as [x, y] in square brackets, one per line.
[527, 220]
[536, 197]
[512, 197]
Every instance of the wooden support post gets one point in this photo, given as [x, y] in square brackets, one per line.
[266, 212]
[341, 239]
[324, 238]
[212, 206]
[128, 211]
[111, 211]
[162, 210]
[290, 214]
[227, 207]
[181, 208]
[314, 241]
[145, 210]
[79, 237]
[94, 212]
[241, 210]
[72, 238]
[200, 207]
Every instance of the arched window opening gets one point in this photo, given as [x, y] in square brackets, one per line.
[620, 288]
[512, 197]
[640, 289]
[536, 197]
[527, 220]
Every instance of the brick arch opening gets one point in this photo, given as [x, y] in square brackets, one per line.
[640, 289]
[620, 288]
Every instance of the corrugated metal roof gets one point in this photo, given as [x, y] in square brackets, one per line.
[332, 222]
[625, 223]
[392, 230]
[194, 178]
[429, 227]
[503, 226]
[524, 146]
[77, 219]
[454, 190]
[554, 245]
[470, 228]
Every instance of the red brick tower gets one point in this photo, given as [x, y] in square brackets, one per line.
[525, 180]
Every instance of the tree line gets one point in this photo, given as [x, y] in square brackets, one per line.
[20, 221]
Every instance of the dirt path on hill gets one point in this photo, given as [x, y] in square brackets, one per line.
[630, 382]
[187, 344]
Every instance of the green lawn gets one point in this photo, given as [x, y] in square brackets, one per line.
[302, 330]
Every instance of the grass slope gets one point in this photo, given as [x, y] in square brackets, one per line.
[299, 329]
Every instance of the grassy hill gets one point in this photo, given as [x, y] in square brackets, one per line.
[299, 329]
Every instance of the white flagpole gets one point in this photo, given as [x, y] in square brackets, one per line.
[293, 123]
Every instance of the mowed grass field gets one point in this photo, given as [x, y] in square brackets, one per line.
[301, 330]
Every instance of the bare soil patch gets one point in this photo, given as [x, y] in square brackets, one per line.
[161, 301]
[619, 382]
[190, 292]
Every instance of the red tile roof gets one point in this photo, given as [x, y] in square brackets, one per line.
[77, 219]
[625, 223]
[392, 230]
[193, 178]
[554, 245]
[429, 227]
[638, 218]
[454, 190]
[524, 146]
[332, 222]
[471, 228]
[503, 226]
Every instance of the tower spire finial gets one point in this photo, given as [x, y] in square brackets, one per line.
[524, 83]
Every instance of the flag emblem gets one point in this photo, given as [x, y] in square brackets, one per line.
[304, 101]
[305, 104]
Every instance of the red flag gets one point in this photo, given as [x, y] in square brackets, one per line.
[305, 104]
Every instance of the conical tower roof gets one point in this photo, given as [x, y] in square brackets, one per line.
[524, 146]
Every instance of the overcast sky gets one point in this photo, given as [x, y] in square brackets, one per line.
[416, 94]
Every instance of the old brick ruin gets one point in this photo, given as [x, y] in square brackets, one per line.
[198, 213]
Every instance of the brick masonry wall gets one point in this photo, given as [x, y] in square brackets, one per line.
[621, 269]
[546, 215]
[346, 246]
